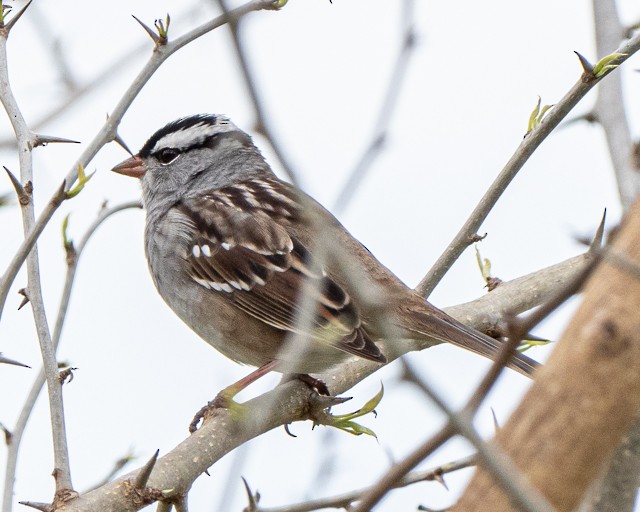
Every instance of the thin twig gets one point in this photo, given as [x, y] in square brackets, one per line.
[262, 124]
[387, 108]
[118, 465]
[344, 501]
[36, 387]
[25, 142]
[609, 108]
[52, 44]
[526, 148]
[523, 495]
[108, 131]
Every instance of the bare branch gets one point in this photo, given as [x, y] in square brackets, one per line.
[108, 132]
[600, 342]
[262, 125]
[25, 413]
[526, 148]
[609, 108]
[344, 501]
[387, 108]
[25, 141]
[289, 402]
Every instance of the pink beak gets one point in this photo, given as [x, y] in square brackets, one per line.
[133, 167]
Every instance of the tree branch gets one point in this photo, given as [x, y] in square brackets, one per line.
[25, 140]
[287, 403]
[526, 148]
[586, 396]
[36, 387]
[108, 132]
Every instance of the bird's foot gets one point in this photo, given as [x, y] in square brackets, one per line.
[319, 386]
[223, 400]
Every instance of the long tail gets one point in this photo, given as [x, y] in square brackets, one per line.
[439, 326]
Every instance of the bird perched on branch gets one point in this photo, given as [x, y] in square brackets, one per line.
[263, 272]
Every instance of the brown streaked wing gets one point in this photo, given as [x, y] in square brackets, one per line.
[248, 255]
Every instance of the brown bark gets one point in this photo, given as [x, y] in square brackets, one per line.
[584, 399]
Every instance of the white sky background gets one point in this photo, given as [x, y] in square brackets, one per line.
[322, 69]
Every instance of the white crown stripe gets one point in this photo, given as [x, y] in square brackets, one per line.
[191, 135]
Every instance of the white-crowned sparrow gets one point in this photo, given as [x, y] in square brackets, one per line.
[230, 247]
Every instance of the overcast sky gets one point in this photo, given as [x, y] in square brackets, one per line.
[322, 69]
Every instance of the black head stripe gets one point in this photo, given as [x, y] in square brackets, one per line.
[180, 125]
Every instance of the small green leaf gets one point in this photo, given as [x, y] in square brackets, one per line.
[345, 421]
[606, 64]
[280, 3]
[65, 239]
[82, 180]
[536, 116]
[354, 428]
[4, 11]
[163, 28]
[527, 344]
[484, 265]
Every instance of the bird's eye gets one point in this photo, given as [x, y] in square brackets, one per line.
[167, 155]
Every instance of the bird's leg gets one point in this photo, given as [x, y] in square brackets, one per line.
[224, 399]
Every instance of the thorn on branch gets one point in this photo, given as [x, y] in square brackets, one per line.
[159, 38]
[23, 193]
[438, 476]
[253, 499]
[7, 27]
[597, 242]
[44, 507]
[496, 423]
[7, 434]
[25, 298]
[43, 140]
[151, 33]
[141, 479]
[423, 508]
[6, 360]
[587, 67]
[122, 144]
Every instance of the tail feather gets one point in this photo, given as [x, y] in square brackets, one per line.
[443, 328]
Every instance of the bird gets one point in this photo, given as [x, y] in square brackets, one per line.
[263, 272]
